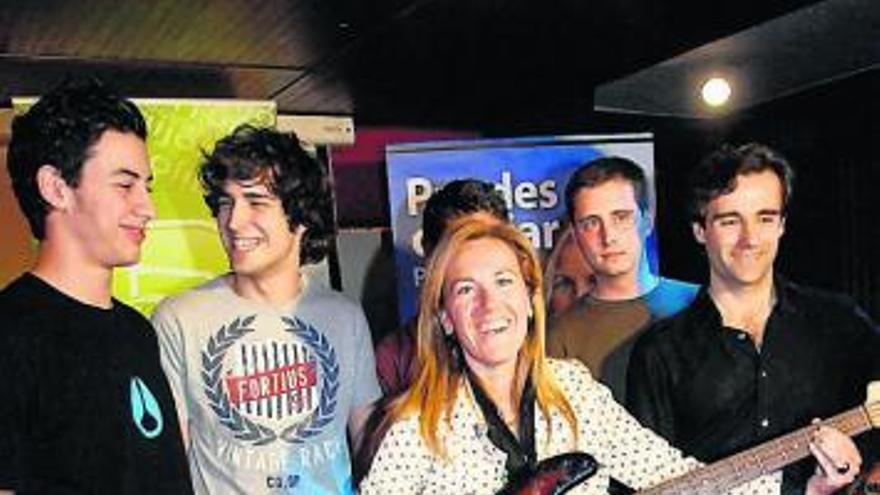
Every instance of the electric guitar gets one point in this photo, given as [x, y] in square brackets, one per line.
[727, 473]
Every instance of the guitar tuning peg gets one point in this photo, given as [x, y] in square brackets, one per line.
[874, 391]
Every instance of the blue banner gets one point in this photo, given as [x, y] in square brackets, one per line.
[530, 173]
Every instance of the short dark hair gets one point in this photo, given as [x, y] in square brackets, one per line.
[299, 181]
[60, 130]
[455, 199]
[716, 174]
[601, 170]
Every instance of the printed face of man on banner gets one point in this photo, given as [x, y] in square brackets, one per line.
[530, 174]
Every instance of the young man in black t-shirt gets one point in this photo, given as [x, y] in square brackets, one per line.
[86, 408]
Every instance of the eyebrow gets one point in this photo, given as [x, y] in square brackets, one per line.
[770, 211]
[614, 211]
[725, 214]
[127, 172]
[258, 195]
[734, 214]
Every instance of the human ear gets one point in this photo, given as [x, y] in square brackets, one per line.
[53, 188]
[298, 230]
[699, 232]
[445, 322]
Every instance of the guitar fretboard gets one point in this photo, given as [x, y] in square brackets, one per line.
[755, 462]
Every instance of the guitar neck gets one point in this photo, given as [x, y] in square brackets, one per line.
[745, 466]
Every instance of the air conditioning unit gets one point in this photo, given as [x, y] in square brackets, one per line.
[318, 129]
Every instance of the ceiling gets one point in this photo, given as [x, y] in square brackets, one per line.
[417, 62]
[816, 45]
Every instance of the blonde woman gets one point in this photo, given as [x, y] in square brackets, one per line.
[567, 273]
[486, 404]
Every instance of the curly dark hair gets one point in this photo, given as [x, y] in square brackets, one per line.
[298, 180]
[601, 170]
[716, 174]
[60, 130]
[457, 198]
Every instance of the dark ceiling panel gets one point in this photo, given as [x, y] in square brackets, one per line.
[272, 33]
[319, 92]
[29, 77]
[811, 47]
[455, 63]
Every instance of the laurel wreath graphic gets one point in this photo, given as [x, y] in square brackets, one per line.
[212, 367]
[245, 429]
[323, 414]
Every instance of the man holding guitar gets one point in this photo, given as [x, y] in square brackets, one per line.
[754, 356]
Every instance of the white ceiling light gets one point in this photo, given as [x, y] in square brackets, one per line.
[716, 91]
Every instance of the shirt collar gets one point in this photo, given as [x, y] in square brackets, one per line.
[784, 294]
[704, 308]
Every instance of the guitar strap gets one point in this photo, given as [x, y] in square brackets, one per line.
[520, 452]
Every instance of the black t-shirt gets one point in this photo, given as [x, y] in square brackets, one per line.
[85, 407]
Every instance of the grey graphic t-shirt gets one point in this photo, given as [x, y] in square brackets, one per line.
[266, 392]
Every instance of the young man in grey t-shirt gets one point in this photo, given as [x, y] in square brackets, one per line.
[269, 367]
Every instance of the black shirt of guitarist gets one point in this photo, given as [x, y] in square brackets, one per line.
[710, 392]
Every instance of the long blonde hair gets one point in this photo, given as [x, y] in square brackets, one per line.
[439, 377]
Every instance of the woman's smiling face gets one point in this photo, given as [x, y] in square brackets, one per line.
[487, 304]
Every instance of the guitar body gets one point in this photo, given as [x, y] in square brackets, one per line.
[553, 476]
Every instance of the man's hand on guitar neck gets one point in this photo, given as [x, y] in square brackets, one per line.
[839, 461]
